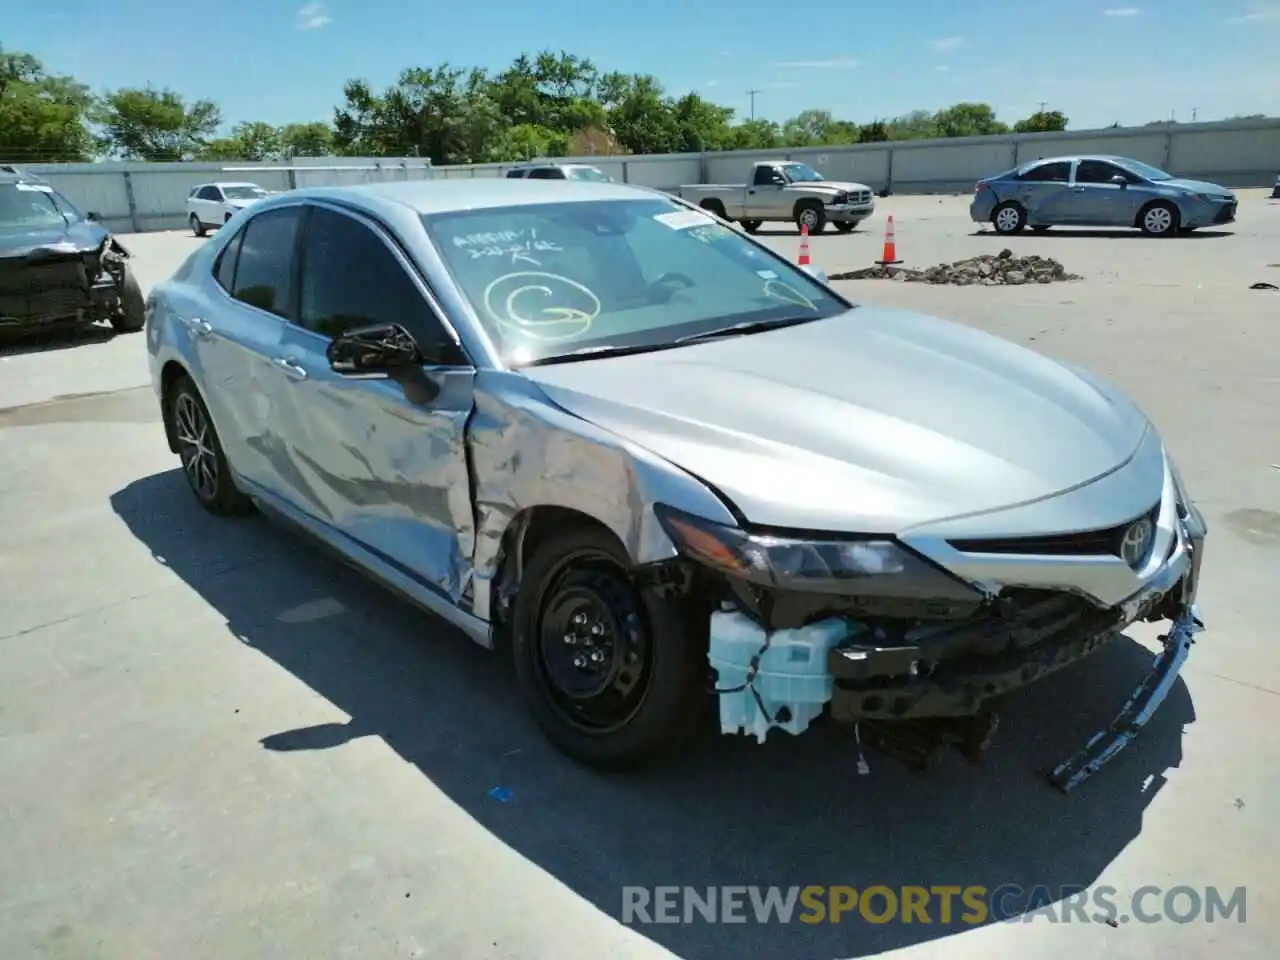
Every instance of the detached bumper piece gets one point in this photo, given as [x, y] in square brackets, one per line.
[41, 292]
[1137, 711]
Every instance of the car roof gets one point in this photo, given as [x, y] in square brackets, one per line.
[442, 196]
[1110, 157]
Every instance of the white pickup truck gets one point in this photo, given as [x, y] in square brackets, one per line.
[785, 191]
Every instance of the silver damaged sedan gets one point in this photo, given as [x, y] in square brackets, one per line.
[655, 463]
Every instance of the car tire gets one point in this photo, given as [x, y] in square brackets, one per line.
[614, 677]
[1009, 217]
[845, 226]
[204, 463]
[196, 226]
[1159, 218]
[715, 208]
[751, 226]
[1040, 229]
[131, 312]
[227, 219]
[809, 213]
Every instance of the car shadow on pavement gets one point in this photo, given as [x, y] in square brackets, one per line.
[1075, 233]
[729, 812]
[12, 345]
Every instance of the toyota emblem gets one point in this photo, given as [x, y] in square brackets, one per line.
[1136, 543]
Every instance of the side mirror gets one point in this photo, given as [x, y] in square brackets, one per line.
[1120, 181]
[380, 348]
[817, 273]
[92, 215]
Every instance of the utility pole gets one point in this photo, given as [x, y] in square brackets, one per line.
[1043, 104]
[752, 95]
[1195, 112]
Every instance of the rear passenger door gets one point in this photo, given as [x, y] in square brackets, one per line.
[1045, 191]
[238, 341]
[1098, 201]
[381, 461]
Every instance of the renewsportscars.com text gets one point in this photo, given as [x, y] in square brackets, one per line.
[940, 905]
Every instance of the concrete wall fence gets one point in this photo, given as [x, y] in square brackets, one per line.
[137, 197]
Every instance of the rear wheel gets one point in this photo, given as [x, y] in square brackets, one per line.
[1009, 217]
[714, 207]
[196, 226]
[203, 461]
[131, 313]
[613, 676]
[751, 226]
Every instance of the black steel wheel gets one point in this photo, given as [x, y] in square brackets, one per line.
[612, 677]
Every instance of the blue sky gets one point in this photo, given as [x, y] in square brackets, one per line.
[1099, 62]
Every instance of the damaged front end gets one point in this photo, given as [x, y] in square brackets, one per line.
[61, 285]
[918, 660]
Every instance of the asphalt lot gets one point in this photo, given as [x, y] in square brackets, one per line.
[216, 743]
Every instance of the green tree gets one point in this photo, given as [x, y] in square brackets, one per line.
[306, 139]
[42, 116]
[755, 135]
[143, 123]
[1050, 121]
[877, 131]
[968, 120]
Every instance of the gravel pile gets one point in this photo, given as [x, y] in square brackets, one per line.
[988, 270]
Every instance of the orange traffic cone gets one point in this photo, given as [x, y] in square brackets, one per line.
[804, 246]
[889, 256]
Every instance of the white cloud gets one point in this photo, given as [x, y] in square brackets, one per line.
[941, 68]
[312, 17]
[946, 43]
[841, 63]
[1121, 12]
[711, 83]
[1258, 14]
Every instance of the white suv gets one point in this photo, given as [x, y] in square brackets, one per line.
[213, 204]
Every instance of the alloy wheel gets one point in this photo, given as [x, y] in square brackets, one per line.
[195, 447]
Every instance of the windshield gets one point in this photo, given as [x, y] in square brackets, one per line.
[1144, 170]
[587, 173]
[801, 173]
[248, 192]
[547, 280]
[27, 206]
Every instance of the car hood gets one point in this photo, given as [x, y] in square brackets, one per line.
[81, 235]
[832, 186]
[874, 421]
[1198, 186]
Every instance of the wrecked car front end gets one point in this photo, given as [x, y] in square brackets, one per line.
[60, 283]
[919, 659]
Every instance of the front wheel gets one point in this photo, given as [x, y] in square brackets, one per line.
[131, 312]
[1009, 217]
[613, 677]
[810, 214]
[1160, 219]
[846, 226]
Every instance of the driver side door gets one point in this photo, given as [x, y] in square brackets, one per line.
[380, 461]
[766, 195]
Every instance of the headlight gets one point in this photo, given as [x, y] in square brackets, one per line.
[869, 566]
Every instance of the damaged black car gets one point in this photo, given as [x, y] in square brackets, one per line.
[58, 267]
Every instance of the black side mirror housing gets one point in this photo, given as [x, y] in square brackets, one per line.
[379, 348]
[1120, 181]
[92, 215]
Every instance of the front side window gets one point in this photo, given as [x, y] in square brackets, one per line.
[547, 280]
[351, 278]
[1144, 170]
[1096, 171]
[264, 268]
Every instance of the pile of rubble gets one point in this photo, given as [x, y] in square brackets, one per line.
[987, 270]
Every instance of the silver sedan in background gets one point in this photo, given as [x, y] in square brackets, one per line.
[1099, 191]
[643, 454]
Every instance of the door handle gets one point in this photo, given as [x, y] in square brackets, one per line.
[291, 366]
[201, 328]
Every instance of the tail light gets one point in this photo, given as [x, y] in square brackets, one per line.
[979, 187]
